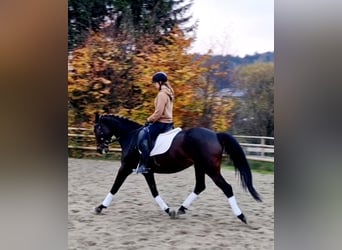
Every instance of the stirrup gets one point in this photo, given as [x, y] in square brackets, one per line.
[141, 170]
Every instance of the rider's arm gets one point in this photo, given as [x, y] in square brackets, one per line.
[160, 104]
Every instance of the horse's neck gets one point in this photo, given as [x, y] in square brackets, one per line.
[128, 142]
[125, 130]
[115, 126]
[122, 125]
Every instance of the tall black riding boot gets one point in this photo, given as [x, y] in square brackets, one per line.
[144, 155]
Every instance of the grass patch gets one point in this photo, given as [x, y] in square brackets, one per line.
[256, 166]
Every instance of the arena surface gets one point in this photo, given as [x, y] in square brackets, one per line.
[135, 221]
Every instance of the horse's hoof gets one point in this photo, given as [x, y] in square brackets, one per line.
[173, 214]
[181, 210]
[98, 209]
[242, 218]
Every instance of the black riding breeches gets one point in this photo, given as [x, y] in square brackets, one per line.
[149, 134]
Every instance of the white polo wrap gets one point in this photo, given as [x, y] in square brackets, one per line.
[161, 203]
[189, 200]
[106, 202]
[234, 206]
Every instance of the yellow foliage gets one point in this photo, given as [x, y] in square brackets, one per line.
[182, 70]
[105, 75]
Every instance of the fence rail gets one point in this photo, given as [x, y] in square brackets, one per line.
[260, 148]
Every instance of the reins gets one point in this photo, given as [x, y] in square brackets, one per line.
[121, 137]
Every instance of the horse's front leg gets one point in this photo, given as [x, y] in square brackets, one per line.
[153, 188]
[121, 176]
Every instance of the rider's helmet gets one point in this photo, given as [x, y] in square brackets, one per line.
[159, 77]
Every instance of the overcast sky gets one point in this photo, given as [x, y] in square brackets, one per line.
[234, 27]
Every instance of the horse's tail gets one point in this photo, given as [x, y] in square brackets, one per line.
[234, 150]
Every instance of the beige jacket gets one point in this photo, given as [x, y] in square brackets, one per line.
[163, 106]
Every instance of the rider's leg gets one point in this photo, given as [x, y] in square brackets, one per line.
[144, 155]
[145, 137]
[143, 146]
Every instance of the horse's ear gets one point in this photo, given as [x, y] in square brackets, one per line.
[97, 117]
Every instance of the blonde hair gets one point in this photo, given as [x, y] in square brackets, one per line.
[167, 85]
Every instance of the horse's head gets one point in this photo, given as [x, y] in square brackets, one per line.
[107, 126]
[103, 135]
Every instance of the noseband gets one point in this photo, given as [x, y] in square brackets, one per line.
[107, 141]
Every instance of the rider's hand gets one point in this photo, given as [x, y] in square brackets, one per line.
[147, 123]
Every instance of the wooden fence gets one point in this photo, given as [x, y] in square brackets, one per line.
[260, 148]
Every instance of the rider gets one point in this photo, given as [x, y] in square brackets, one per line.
[160, 121]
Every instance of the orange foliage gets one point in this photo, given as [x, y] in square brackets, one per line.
[99, 78]
[115, 76]
[183, 74]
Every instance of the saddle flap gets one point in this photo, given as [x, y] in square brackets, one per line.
[163, 141]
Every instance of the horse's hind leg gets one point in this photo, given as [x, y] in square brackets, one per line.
[199, 187]
[228, 191]
[120, 178]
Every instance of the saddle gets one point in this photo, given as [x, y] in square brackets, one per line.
[163, 141]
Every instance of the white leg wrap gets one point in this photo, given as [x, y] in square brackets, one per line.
[161, 203]
[189, 200]
[234, 206]
[106, 202]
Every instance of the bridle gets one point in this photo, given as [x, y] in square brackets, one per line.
[104, 142]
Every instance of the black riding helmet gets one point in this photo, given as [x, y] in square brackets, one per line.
[159, 77]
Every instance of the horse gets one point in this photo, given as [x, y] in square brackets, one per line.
[199, 147]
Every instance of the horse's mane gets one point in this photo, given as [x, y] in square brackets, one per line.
[127, 123]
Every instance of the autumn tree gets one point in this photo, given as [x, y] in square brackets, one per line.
[197, 102]
[99, 78]
[183, 73]
[106, 76]
[216, 109]
[255, 110]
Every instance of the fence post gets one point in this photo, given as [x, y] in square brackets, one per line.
[262, 148]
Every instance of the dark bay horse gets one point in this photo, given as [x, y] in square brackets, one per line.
[199, 147]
